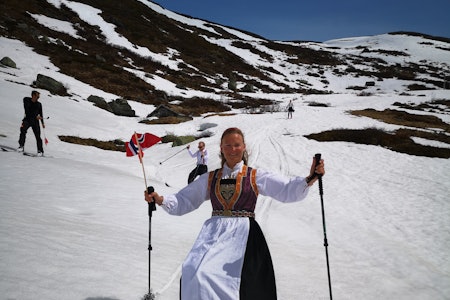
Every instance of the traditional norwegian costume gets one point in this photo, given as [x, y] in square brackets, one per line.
[230, 259]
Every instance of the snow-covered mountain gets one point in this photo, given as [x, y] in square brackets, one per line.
[140, 51]
[74, 225]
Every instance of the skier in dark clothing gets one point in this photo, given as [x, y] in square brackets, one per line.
[290, 109]
[33, 113]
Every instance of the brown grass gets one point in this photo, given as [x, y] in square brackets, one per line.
[167, 120]
[399, 141]
[403, 118]
[428, 127]
[114, 145]
[119, 145]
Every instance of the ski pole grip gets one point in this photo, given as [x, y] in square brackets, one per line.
[318, 156]
[151, 205]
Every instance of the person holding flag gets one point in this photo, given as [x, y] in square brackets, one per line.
[33, 113]
[202, 161]
[230, 259]
[136, 146]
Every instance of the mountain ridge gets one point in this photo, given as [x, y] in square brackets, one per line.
[153, 43]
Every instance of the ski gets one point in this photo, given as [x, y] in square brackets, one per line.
[29, 154]
[35, 155]
[11, 149]
[8, 148]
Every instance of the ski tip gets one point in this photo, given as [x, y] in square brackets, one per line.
[29, 154]
[34, 154]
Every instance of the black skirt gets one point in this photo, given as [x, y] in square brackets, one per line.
[257, 278]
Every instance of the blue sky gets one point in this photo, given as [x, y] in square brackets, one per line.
[321, 20]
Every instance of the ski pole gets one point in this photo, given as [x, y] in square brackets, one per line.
[171, 156]
[151, 208]
[325, 241]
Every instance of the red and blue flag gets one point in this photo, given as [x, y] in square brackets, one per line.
[145, 141]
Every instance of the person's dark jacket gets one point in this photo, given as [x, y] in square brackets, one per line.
[32, 110]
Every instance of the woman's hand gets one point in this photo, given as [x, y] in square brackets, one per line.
[153, 197]
[315, 170]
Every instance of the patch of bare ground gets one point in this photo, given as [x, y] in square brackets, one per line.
[428, 127]
[114, 145]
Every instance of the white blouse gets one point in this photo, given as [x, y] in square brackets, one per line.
[201, 160]
[276, 186]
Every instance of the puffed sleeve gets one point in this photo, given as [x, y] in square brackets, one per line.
[187, 199]
[280, 187]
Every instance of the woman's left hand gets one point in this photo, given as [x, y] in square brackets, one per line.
[153, 197]
[315, 170]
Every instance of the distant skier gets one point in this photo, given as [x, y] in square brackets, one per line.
[33, 113]
[202, 161]
[290, 109]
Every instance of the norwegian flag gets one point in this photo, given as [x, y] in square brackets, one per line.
[145, 141]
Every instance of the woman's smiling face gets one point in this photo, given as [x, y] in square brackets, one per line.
[232, 148]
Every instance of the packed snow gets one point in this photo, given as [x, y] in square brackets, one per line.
[74, 224]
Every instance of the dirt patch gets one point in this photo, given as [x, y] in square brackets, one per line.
[428, 127]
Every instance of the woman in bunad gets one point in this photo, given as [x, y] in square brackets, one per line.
[230, 259]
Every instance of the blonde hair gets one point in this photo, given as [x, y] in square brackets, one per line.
[233, 130]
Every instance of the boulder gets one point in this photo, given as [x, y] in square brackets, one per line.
[121, 107]
[99, 102]
[163, 111]
[6, 61]
[51, 85]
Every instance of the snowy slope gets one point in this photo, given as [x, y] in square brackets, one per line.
[75, 225]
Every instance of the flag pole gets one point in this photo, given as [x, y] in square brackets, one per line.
[151, 208]
[141, 158]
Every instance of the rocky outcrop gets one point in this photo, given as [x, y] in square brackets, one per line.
[8, 62]
[51, 85]
[121, 107]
